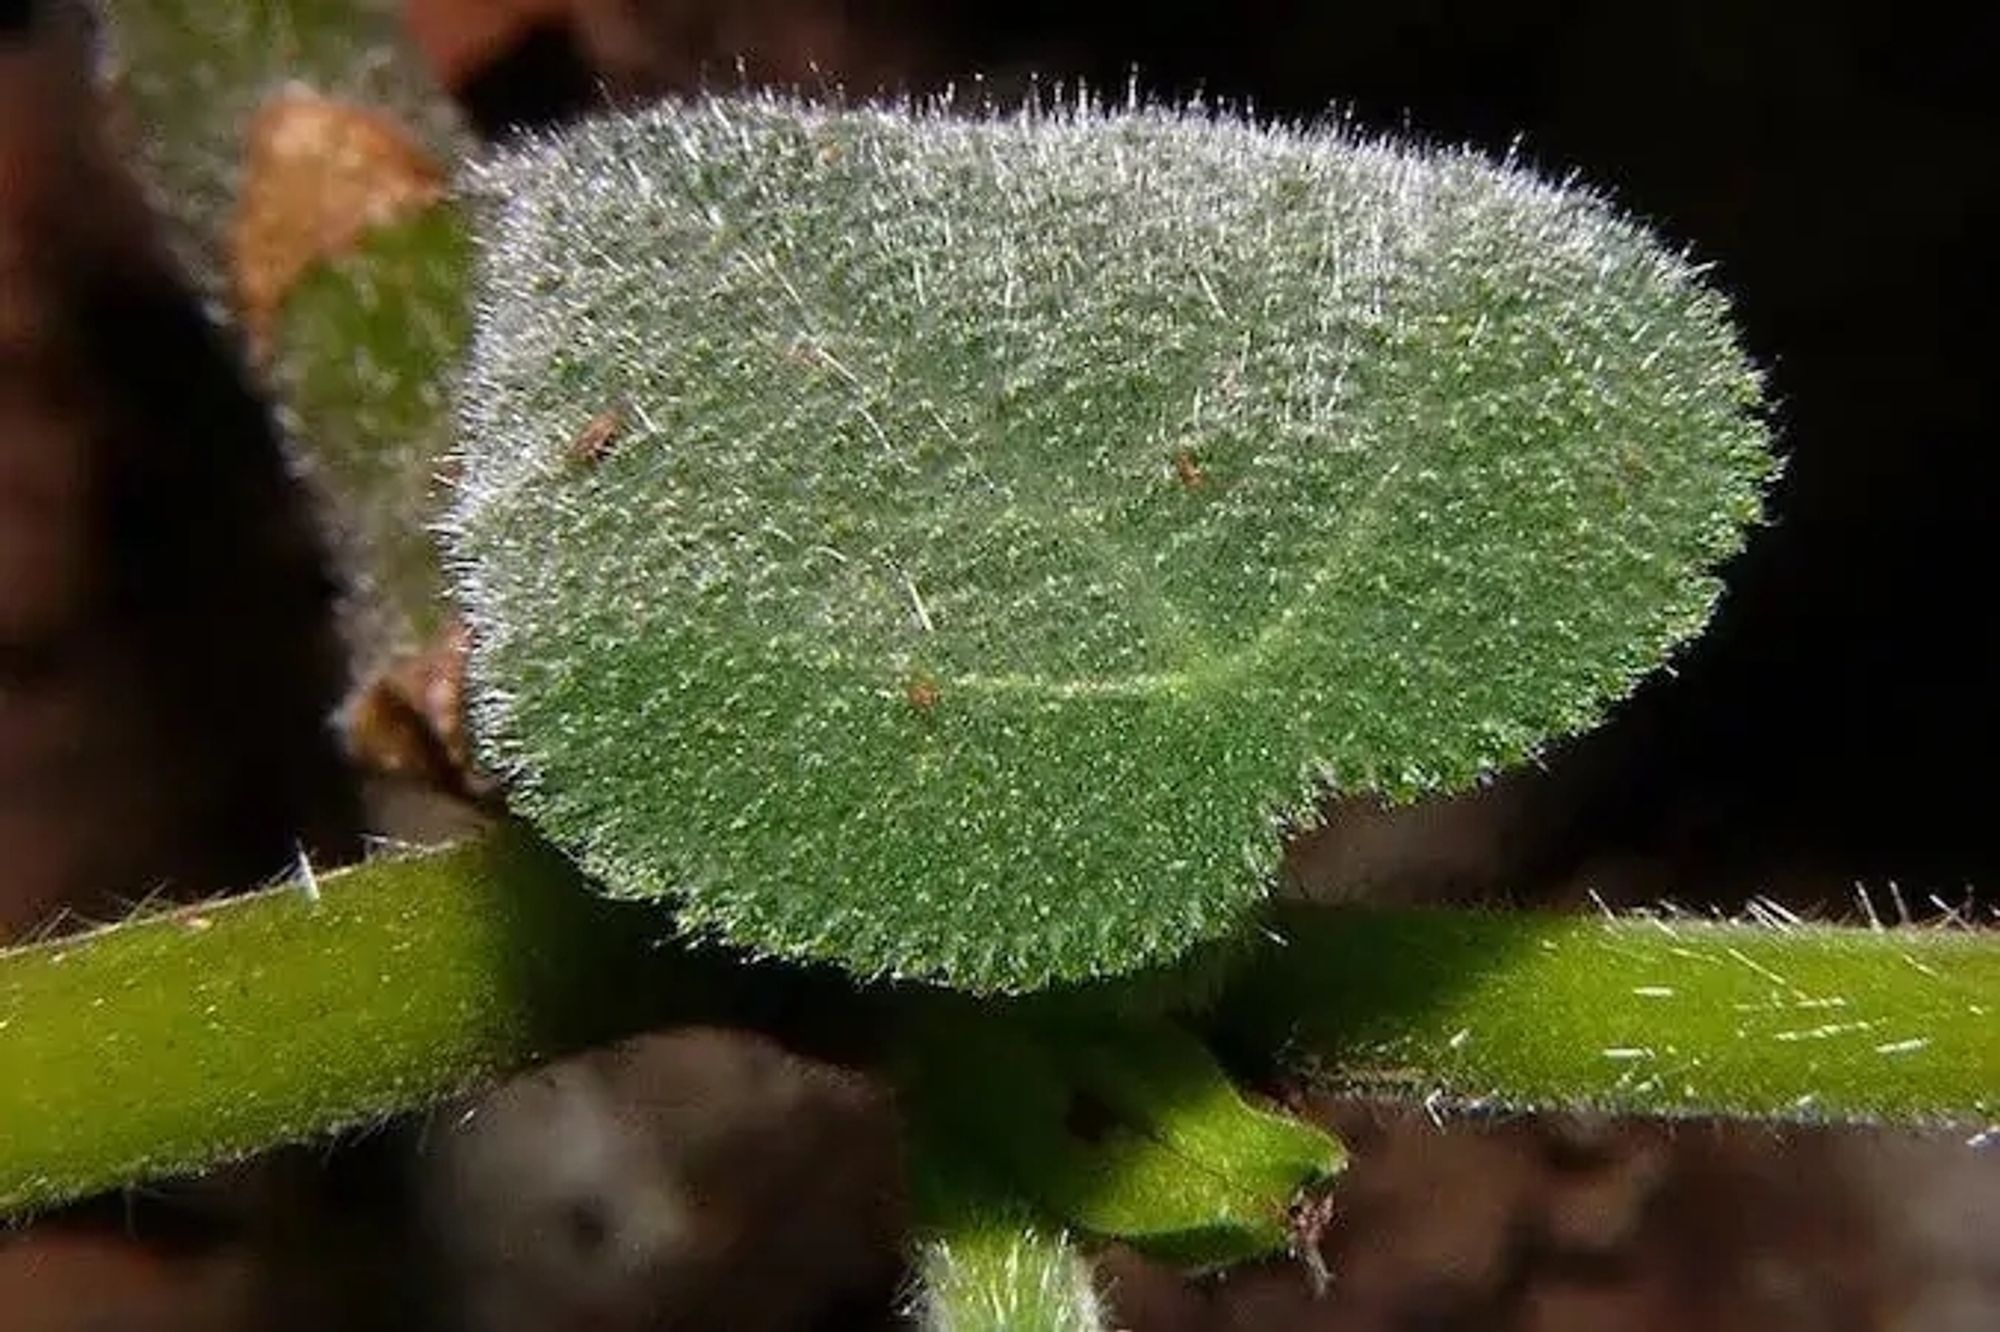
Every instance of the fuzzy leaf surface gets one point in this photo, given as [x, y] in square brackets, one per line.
[1012, 524]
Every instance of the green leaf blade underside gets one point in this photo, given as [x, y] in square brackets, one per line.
[187, 1038]
[1013, 523]
[1634, 1015]
[368, 345]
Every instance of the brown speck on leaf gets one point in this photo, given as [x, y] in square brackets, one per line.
[317, 174]
[802, 352]
[592, 444]
[1187, 468]
[923, 693]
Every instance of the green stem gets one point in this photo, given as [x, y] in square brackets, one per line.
[985, 1262]
[1002, 1277]
[1638, 1015]
[189, 1037]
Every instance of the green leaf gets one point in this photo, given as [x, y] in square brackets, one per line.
[367, 347]
[1155, 1075]
[1633, 1015]
[1014, 524]
[1122, 1129]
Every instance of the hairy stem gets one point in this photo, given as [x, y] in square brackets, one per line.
[193, 1036]
[1641, 1015]
[1005, 1278]
[984, 1261]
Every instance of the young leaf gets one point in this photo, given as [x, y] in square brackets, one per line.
[300, 154]
[1121, 1128]
[1010, 524]
[985, 1261]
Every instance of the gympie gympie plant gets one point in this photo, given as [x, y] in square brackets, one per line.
[930, 562]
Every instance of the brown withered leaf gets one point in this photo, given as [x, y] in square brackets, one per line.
[317, 174]
[409, 721]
